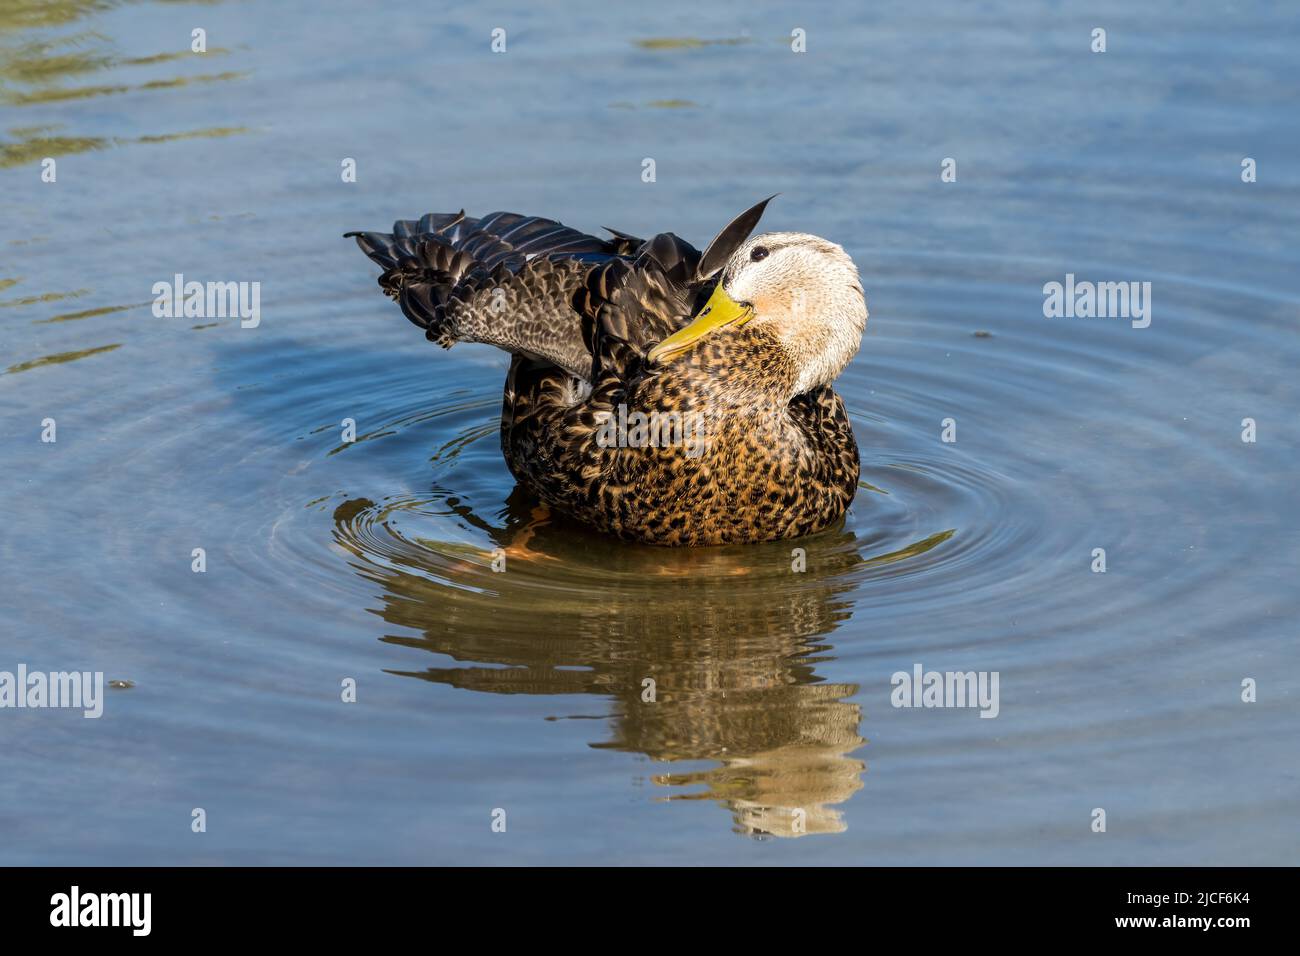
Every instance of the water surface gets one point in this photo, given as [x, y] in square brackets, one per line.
[523, 690]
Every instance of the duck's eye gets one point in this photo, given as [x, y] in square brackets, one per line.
[758, 252]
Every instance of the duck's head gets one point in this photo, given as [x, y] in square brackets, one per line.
[802, 291]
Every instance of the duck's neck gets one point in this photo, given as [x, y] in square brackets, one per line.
[821, 350]
[759, 374]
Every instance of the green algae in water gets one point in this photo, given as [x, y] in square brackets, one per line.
[58, 358]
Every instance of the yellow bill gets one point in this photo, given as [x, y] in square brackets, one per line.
[719, 312]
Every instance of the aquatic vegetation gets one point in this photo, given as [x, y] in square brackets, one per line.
[61, 357]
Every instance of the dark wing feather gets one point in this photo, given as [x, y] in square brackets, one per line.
[731, 238]
[505, 279]
[534, 287]
[626, 305]
[500, 237]
[629, 306]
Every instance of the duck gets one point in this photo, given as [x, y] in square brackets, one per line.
[656, 393]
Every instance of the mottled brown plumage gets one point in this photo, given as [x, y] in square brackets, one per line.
[727, 432]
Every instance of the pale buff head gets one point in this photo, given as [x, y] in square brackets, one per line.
[806, 292]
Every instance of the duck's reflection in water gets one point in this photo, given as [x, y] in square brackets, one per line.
[708, 654]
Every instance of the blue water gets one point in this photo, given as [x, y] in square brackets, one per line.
[522, 691]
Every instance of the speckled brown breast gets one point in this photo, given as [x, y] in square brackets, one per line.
[764, 470]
